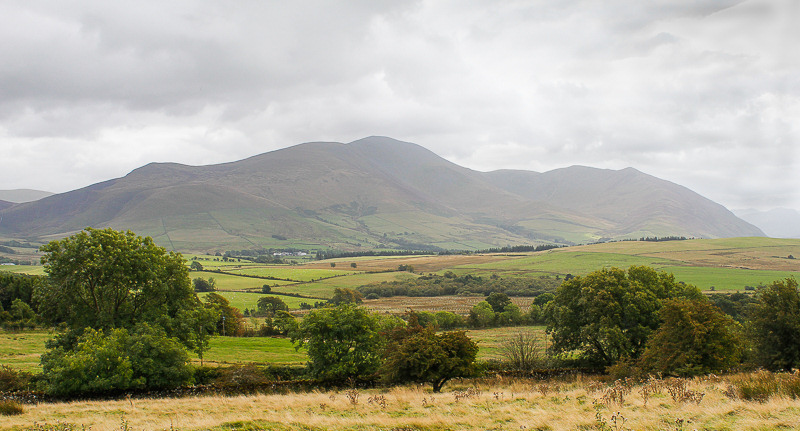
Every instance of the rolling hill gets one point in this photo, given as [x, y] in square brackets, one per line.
[372, 193]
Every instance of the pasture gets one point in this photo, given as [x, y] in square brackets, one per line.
[568, 403]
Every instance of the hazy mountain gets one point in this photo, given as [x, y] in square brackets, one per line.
[777, 222]
[23, 195]
[374, 192]
[6, 204]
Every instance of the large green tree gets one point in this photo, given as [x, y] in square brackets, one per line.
[342, 342]
[609, 314]
[423, 356]
[103, 278]
[694, 338]
[774, 326]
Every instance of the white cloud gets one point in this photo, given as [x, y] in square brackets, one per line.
[705, 94]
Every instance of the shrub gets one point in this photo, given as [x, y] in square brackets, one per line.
[116, 360]
[10, 408]
[13, 380]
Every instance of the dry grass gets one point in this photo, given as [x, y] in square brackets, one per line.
[498, 404]
[454, 304]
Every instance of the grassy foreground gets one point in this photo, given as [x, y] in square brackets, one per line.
[491, 404]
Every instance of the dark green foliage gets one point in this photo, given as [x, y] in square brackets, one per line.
[774, 326]
[498, 301]
[17, 286]
[345, 296]
[116, 360]
[230, 321]
[196, 266]
[481, 315]
[342, 342]
[733, 304]
[609, 314]
[108, 279]
[269, 305]
[201, 285]
[420, 355]
[451, 284]
[694, 338]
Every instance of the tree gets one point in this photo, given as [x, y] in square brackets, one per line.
[198, 326]
[266, 289]
[269, 305]
[229, 319]
[694, 338]
[201, 285]
[107, 279]
[196, 266]
[481, 315]
[609, 314]
[498, 301]
[774, 326]
[117, 360]
[423, 356]
[345, 296]
[521, 350]
[342, 342]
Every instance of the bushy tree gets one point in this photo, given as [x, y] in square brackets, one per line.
[694, 338]
[269, 305]
[342, 342]
[103, 278]
[421, 355]
[117, 360]
[774, 326]
[345, 296]
[481, 315]
[609, 314]
[203, 285]
[230, 320]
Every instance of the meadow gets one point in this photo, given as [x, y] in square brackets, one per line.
[496, 403]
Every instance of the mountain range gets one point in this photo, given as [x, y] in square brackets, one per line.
[376, 192]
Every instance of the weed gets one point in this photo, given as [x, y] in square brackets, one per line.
[11, 408]
[352, 396]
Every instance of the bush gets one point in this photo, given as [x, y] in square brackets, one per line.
[10, 408]
[115, 361]
[13, 380]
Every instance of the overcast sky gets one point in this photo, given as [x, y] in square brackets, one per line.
[702, 93]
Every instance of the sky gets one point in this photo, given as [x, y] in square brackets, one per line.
[705, 94]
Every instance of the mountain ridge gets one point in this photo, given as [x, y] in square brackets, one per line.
[375, 192]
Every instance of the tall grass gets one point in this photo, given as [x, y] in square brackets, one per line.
[567, 403]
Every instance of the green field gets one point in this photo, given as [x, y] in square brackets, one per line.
[296, 273]
[324, 288]
[242, 300]
[262, 350]
[22, 350]
[726, 279]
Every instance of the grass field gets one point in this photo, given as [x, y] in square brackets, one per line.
[573, 404]
[261, 350]
[242, 300]
[22, 350]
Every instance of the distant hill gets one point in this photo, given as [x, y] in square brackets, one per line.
[6, 204]
[777, 222]
[23, 195]
[373, 193]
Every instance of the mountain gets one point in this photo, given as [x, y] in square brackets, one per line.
[22, 195]
[372, 193]
[777, 222]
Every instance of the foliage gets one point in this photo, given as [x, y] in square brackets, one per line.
[609, 314]
[229, 319]
[451, 284]
[117, 360]
[107, 279]
[342, 342]
[17, 286]
[346, 296]
[198, 325]
[419, 354]
[13, 380]
[196, 266]
[774, 326]
[695, 338]
[269, 305]
[498, 301]
[201, 285]
[481, 315]
[10, 408]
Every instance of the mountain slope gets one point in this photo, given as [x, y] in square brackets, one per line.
[372, 193]
[631, 200]
[22, 195]
[777, 222]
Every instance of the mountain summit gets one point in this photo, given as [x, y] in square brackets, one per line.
[376, 192]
